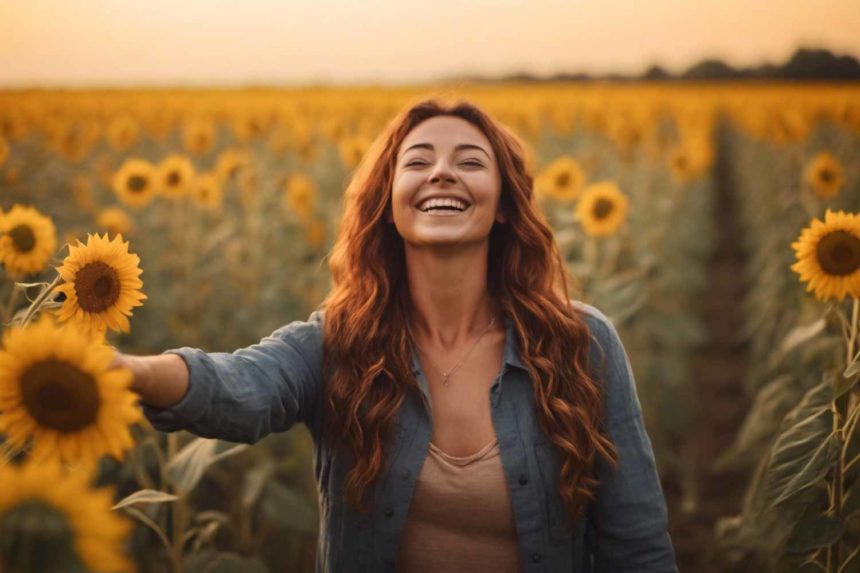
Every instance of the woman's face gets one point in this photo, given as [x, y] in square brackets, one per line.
[445, 157]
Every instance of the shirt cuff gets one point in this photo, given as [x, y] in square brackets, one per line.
[191, 406]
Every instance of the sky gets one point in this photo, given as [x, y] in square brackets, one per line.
[293, 42]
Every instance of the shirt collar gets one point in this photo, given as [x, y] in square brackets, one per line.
[511, 355]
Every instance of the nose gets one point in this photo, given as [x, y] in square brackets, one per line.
[442, 172]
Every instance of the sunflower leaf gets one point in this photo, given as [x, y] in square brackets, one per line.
[146, 496]
[852, 369]
[186, 469]
[806, 447]
[148, 521]
[814, 531]
[800, 334]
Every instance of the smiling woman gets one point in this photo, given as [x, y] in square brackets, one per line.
[467, 415]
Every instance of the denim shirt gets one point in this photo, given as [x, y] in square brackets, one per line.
[267, 387]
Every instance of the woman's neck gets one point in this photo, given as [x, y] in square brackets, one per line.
[450, 300]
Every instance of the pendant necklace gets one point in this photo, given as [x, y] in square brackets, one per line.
[446, 375]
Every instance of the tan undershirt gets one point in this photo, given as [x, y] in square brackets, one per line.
[460, 517]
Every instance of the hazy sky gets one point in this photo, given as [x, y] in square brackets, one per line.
[120, 42]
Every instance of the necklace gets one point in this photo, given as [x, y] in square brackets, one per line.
[446, 375]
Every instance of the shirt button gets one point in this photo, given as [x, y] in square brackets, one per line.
[524, 479]
[536, 557]
[389, 512]
[404, 474]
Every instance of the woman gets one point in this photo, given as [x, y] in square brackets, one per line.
[466, 414]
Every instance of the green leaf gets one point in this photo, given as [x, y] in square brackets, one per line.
[844, 384]
[146, 496]
[800, 334]
[761, 422]
[188, 466]
[805, 449]
[851, 502]
[814, 530]
[823, 458]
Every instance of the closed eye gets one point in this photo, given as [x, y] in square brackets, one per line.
[473, 163]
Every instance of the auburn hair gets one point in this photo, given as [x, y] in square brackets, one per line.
[367, 344]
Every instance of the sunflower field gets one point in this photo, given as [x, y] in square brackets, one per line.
[144, 220]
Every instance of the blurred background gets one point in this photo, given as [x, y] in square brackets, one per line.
[698, 161]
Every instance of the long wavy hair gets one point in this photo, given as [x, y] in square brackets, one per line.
[367, 343]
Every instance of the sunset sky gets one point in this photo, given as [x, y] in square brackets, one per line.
[234, 42]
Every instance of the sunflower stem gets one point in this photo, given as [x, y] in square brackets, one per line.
[10, 306]
[177, 508]
[834, 552]
[40, 299]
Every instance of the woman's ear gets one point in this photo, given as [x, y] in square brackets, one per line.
[500, 216]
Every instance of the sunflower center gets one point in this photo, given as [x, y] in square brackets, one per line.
[35, 536]
[174, 178]
[826, 176]
[137, 183]
[602, 208]
[562, 179]
[97, 287]
[839, 253]
[24, 238]
[60, 396]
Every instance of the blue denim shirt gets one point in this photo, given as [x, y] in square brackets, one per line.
[269, 386]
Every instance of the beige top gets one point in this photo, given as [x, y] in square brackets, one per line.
[460, 517]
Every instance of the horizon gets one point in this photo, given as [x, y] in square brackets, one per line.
[224, 43]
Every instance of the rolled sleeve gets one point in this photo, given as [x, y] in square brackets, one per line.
[245, 395]
[628, 521]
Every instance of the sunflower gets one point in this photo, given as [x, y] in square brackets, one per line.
[299, 196]
[249, 126]
[82, 190]
[4, 151]
[135, 182]
[690, 158]
[174, 176]
[248, 183]
[315, 232]
[12, 175]
[122, 132]
[207, 192]
[352, 149]
[828, 256]
[74, 140]
[76, 525]
[115, 221]
[198, 135]
[57, 388]
[27, 241]
[823, 173]
[230, 163]
[101, 284]
[602, 209]
[562, 179]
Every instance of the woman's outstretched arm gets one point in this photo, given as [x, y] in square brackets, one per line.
[240, 396]
[161, 381]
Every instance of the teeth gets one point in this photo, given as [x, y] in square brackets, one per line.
[431, 203]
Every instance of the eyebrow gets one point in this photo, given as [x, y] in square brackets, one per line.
[458, 148]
